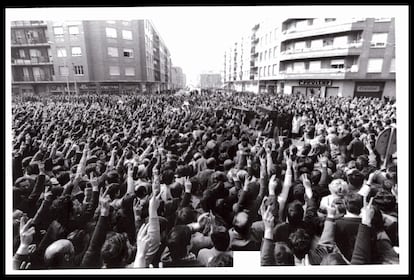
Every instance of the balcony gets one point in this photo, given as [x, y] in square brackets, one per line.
[30, 43]
[32, 61]
[322, 29]
[332, 73]
[34, 78]
[327, 51]
[33, 23]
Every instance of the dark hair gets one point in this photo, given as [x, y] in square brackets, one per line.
[221, 239]
[167, 176]
[356, 179]
[295, 212]
[185, 216]
[114, 249]
[300, 242]
[283, 254]
[354, 203]
[177, 240]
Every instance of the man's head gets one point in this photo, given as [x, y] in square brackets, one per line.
[300, 242]
[59, 254]
[220, 238]
[177, 241]
[241, 223]
[295, 212]
[353, 203]
[283, 254]
[338, 187]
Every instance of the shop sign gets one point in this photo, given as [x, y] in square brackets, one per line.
[368, 88]
[315, 82]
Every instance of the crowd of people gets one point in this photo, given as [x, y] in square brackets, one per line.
[184, 181]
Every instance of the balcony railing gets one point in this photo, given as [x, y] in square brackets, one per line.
[324, 48]
[31, 61]
[352, 69]
[321, 25]
[30, 42]
[34, 78]
[33, 23]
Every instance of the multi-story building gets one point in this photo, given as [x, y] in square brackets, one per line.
[338, 57]
[31, 60]
[321, 56]
[178, 79]
[210, 81]
[95, 56]
[241, 63]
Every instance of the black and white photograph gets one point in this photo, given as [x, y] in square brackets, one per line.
[207, 140]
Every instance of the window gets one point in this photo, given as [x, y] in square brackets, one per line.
[338, 63]
[265, 55]
[126, 34]
[125, 23]
[260, 57]
[63, 71]
[113, 52]
[22, 54]
[300, 45]
[73, 30]
[310, 21]
[78, 70]
[314, 65]
[76, 51]
[114, 70]
[379, 40]
[61, 52]
[317, 44]
[128, 53]
[274, 51]
[110, 32]
[274, 69]
[268, 70]
[299, 66]
[330, 19]
[129, 71]
[270, 53]
[327, 42]
[392, 66]
[375, 65]
[341, 41]
[111, 21]
[58, 31]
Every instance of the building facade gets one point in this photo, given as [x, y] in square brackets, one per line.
[210, 81]
[325, 57]
[31, 59]
[178, 78]
[90, 57]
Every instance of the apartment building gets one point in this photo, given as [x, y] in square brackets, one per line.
[241, 63]
[178, 78]
[338, 57]
[113, 56]
[31, 59]
[320, 56]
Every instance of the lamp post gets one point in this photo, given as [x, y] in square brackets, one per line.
[74, 78]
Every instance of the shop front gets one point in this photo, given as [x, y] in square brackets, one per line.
[369, 89]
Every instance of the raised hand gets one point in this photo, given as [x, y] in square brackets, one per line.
[187, 185]
[367, 212]
[272, 185]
